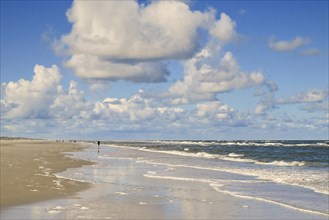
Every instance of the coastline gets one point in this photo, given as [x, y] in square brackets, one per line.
[126, 185]
[28, 169]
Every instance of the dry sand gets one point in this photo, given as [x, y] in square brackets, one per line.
[121, 190]
[28, 168]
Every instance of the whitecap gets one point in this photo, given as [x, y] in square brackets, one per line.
[235, 155]
[282, 163]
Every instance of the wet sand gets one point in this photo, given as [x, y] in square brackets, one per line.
[28, 168]
[121, 189]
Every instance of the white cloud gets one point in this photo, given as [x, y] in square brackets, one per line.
[284, 46]
[125, 40]
[95, 69]
[203, 81]
[113, 40]
[214, 110]
[267, 100]
[224, 29]
[44, 98]
[133, 109]
[68, 113]
[71, 104]
[128, 31]
[31, 99]
[314, 95]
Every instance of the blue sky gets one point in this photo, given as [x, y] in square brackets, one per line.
[164, 70]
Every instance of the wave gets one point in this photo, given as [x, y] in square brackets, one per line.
[283, 163]
[217, 187]
[188, 143]
[306, 180]
[199, 143]
[273, 144]
[234, 157]
[178, 178]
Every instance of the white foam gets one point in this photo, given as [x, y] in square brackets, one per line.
[73, 179]
[217, 188]
[58, 182]
[115, 158]
[178, 178]
[282, 163]
[53, 212]
[59, 207]
[235, 155]
[121, 193]
[199, 155]
[261, 174]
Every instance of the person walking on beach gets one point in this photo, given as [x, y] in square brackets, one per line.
[98, 143]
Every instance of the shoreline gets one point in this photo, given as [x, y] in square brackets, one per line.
[28, 169]
[121, 189]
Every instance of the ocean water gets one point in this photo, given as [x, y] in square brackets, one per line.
[294, 174]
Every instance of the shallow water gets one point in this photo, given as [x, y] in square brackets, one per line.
[290, 173]
[134, 183]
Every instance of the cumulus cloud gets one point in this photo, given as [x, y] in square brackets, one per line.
[224, 29]
[203, 81]
[214, 110]
[95, 69]
[286, 45]
[66, 112]
[31, 99]
[135, 108]
[44, 98]
[70, 104]
[129, 31]
[126, 40]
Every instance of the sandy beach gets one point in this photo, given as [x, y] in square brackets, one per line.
[132, 184]
[28, 168]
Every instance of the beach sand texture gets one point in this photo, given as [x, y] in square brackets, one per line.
[123, 186]
[28, 168]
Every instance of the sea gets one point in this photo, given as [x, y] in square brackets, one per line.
[290, 173]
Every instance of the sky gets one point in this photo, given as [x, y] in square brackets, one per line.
[218, 70]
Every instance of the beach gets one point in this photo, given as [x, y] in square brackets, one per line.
[28, 170]
[136, 183]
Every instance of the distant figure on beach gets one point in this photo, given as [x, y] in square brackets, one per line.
[98, 143]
